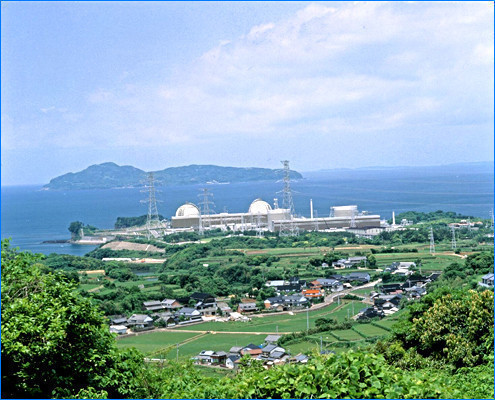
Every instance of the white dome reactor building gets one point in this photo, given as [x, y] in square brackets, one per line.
[259, 206]
[260, 215]
[188, 210]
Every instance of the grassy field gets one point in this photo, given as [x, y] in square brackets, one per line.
[369, 330]
[387, 323]
[347, 334]
[151, 342]
[305, 346]
[284, 322]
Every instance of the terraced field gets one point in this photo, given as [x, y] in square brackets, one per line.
[387, 323]
[369, 330]
[347, 334]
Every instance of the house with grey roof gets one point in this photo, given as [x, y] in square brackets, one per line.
[189, 313]
[119, 329]
[232, 361]
[153, 306]
[270, 339]
[247, 307]
[140, 321]
[171, 304]
[486, 280]
[362, 277]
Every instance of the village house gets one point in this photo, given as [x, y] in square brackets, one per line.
[362, 277]
[271, 339]
[166, 318]
[294, 284]
[312, 293]
[211, 357]
[349, 262]
[330, 284]
[486, 280]
[140, 321]
[171, 305]
[246, 307]
[369, 312]
[283, 303]
[153, 306]
[119, 329]
[118, 320]
[232, 361]
[190, 314]
[206, 304]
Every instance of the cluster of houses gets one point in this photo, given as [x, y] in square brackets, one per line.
[310, 290]
[387, 301]
[400, 268]
[168, 312]
[269, 354]
[292, 294]
[201, 306]
[349, 262]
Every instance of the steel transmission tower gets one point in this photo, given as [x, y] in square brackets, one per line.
[454, 244]
[353, 219]
[316, 221]
[289, 229]
[259, 230]
[204, 219]
[152, 220]
[432, 242]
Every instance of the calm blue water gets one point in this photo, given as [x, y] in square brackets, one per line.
[30, 216]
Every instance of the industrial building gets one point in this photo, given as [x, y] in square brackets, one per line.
[261, 216]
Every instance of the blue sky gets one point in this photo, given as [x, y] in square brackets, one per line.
[323, 84]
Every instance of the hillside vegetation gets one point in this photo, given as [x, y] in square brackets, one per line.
[110, 175]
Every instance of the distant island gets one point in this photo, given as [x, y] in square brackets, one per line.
[112, 176]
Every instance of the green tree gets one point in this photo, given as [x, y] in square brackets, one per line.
[54, 342]
[75, 229]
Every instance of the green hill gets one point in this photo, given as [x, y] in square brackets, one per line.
[110, 176]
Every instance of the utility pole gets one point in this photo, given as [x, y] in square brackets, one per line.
[321, 345]
[307, 319]
[454, 244]
[177, 357]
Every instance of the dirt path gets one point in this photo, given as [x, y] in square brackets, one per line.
[96, 288]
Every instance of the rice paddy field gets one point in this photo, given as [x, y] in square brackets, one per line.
[219, 336]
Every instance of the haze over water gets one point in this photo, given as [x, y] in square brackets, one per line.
[30, 215]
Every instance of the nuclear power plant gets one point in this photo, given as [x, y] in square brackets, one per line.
[261, 215]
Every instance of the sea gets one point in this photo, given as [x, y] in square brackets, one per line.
[30, 215]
